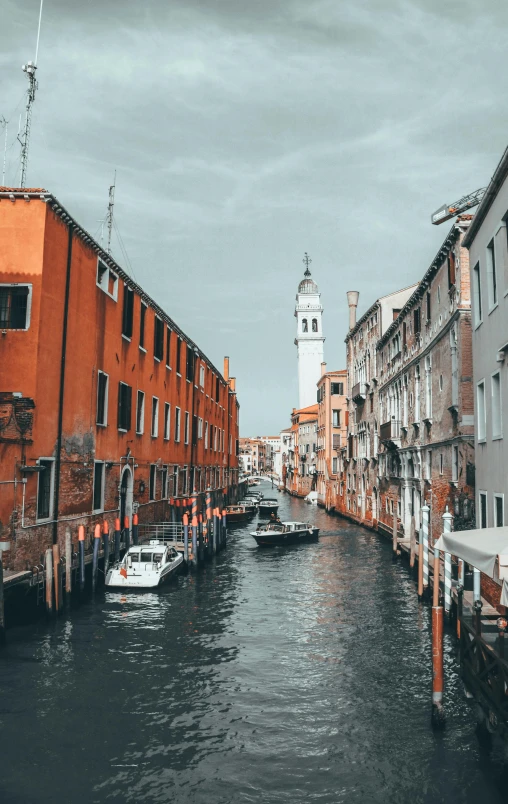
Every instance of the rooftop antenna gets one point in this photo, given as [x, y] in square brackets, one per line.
[29, 69]
[109, 216]
[5, 124]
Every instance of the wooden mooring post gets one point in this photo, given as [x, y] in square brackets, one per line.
[57, 578]
[420, 563]
[447, 527]
[68, 561]
[412, 544]
[95, 555]
[126, 533]
[395, 544]
[2, 606]
[194, 540]
[185, 520]
[118, 536]
[209, 520]
[438, 716]
[425, 537]
[135, 529]
[48, 563]
[224, 527]
[105, 539]
[81, 556]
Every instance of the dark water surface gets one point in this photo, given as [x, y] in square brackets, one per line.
[269, 676]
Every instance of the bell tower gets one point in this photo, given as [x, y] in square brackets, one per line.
[309, 336]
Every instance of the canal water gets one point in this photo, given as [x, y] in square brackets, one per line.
[286, 675]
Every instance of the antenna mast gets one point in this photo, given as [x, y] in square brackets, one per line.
[109, 216]
[29, 69]
[4, 123]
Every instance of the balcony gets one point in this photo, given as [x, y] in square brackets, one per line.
[359, 393]
[390, 431]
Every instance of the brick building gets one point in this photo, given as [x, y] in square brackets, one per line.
[254, 455]
[331, 433]
[106, 405]
[303, 469]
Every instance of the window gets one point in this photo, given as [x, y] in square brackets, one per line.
[440, 382]
[217, 390]
[491, 275]
[153, 482]
[314, 325]
[336, 418]
[15, 306]
[128, 310]
[451, 269]
[428, 465]
[142, 325]
[480, 411]
[164, 482]
[483, 509]
[417, 320]
[305, 326]
[498, 510]
[455, 464]
[194, 429]
[497, 424]
[158, 338]
[428, 387]
[337, 388]
[124, 406]
[155, 417]
[477, 295]
[167, 420]
[334, 466]
[202, 376]
[439, 294]
[98, 486]
[186, 427]
[417, 393]
[179, 347]
[428, 305]
[168, 347]
[102, 398]
[404, 334]
[45, 488]
[107, 280]
[190, 364]
[200, 428]
[206, 435]
[441, 463]
[140, 413]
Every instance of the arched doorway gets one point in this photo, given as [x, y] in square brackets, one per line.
[126, 495]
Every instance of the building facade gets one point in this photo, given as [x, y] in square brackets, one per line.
[488, 259]
[107, 407]
[303, 452]
[331, 433]
[309, 338]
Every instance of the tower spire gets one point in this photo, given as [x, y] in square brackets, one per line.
[306, 261]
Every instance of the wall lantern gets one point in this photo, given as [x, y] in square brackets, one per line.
[141, 486]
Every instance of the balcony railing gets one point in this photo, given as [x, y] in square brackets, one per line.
[390, 431]
[359, 392]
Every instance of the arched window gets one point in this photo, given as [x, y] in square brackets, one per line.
[314, 325]
[304, 325]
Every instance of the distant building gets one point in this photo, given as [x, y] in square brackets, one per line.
[254, 455]
[331, 433]
[309, 339]
[303, 461]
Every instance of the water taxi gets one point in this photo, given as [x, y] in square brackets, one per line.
[267, 506]
[282, 533]
[145, 566]
[238, 513]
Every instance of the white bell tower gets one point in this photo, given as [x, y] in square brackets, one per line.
[309, 338]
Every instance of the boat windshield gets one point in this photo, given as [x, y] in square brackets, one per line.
[134, 557]
[146, 557]
[157, 557]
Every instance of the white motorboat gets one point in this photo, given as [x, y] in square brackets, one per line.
[145, 566]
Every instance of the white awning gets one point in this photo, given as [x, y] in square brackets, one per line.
[486, 549]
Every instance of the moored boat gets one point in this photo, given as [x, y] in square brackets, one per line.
[251, 504]
[238, 513]
[282, 533]
[145, 566]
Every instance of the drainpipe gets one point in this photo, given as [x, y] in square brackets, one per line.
[62, 384]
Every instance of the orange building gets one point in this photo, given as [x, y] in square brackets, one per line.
[106, 406]
[332, 432]
[303, 451]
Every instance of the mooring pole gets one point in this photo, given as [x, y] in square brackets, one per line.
[215, 531]
[135, 530]
[2, 606]
[49, 581]
[420, 563]
[224, 528]
[95, 556]
[460, 605]
[412, 543]
[57, 577]
[126, 533]
[194, 540]
[81, 545]
[68, 561]
[105, 537]
[186, 537]
[477, 601]
[201, 538]
[395, 544]
[447, 527]
[435, 588]
[118, 536]
[425, 531]
[209, 520]
[438, 716]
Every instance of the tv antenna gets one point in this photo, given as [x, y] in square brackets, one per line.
[29, 68]
[5, 124]
[109, 216]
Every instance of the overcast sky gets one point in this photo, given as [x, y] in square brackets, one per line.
[246, 132]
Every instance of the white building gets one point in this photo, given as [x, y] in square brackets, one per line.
[487, 242]
[309, 338]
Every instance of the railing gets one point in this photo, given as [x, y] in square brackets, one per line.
[485, 673]
[390, 431]
[359, 392]
[163, 531]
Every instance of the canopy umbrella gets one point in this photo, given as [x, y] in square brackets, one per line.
[486, 549]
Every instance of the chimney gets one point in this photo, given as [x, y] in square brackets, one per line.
[232, 384]
[226, 369]
[323, 368]
[352, 300]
